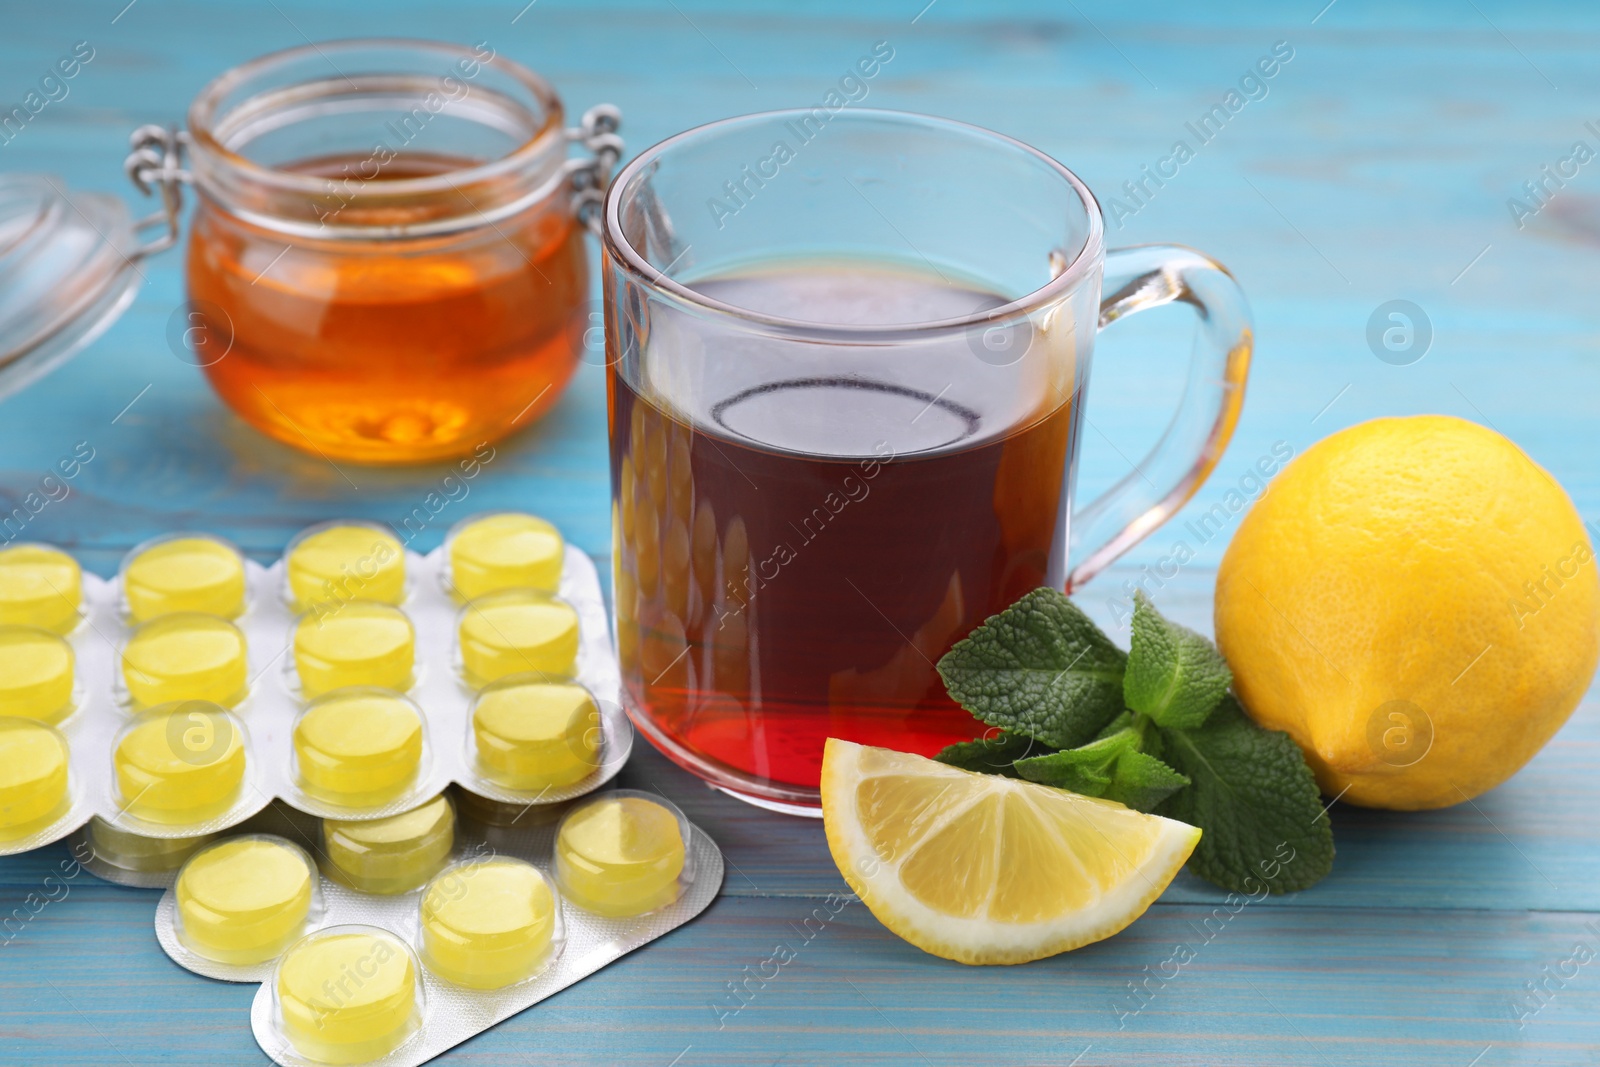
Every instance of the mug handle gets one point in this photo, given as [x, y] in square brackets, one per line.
[1140, 278]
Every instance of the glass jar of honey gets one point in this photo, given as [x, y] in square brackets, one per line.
[386, 262]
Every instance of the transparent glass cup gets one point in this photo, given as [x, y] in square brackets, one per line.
[847, 355]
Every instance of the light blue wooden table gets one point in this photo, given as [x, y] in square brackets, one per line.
[1377, 167]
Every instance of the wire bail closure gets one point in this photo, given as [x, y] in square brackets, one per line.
[591, 177]
[157, 163]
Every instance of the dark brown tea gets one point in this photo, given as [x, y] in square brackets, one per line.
[797, 547]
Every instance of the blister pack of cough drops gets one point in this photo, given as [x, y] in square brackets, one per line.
[353, 679]
[457, 928]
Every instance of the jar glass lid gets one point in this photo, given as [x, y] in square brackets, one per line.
[66, 272]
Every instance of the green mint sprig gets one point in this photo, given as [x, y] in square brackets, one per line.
[994, 755]
[1156, 729]
[1175, 676]
[1040, 669]
[1121, 764]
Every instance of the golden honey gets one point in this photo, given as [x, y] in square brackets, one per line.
[393, 350]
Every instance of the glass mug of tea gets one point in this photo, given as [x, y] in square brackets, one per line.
[847, 355]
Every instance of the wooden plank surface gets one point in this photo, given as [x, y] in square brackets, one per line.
[1377, 167]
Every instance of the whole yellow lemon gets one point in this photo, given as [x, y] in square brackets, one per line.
[1416, 603]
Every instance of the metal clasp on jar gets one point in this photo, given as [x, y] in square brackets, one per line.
[157, 163]
[591, 177]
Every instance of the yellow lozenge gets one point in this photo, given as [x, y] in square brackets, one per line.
[536, 734]
[365, 644]
[36, 673]
[281, 820]
[186, 656]
[332, 566]
[359, 746]
[180, 764]
[244, 900]
[487, 924]
[190, 573]
[33, 776]
[392, 855]
[136, 852]
[470, 807]
[517, 631]
[40, 586]
[348, 995]
[506, 551]
[620, 856]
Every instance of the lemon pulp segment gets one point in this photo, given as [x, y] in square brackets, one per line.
[620, 856]
[391, 855]
[361, 644]
[36, 673]
[199, 574]
[181, 766]
[33, 775]
[487, 924]
[347, 996]
[244, 900]
[517, 631]
[359, 743]
[40, 586]
[507, 551]
[332, 567]
[186, 656]
[533, 734]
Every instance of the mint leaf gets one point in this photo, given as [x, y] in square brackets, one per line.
[1256, 801]
[1112, 767]
[1149, 736]
[1040, 668]
[1088, 779]
[992, 755]
[1085, 769]
[1142, 782]
[1117, 725]
[1174, 675]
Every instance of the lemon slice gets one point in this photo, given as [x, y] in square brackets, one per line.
[982, 869]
